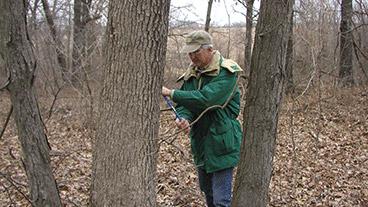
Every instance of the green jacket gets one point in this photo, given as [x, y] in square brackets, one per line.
[216, 137]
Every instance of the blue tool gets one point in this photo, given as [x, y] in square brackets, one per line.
[168, 102]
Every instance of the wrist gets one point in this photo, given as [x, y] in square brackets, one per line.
[172, 93]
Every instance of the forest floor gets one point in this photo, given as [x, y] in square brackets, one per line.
[321, 157]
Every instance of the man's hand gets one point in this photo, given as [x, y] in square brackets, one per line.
[165, 91]
[183, 124]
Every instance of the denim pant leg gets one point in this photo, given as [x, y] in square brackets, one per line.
[221, 187]
[216, 186]
[205, 184]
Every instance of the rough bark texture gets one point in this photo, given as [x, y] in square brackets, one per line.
[346, 44]
[21, 62]
[263, 104]
[248, 34]
[208, 17]
[125, 152]
[289, 88]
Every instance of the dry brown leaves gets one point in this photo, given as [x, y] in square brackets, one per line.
[321, 156]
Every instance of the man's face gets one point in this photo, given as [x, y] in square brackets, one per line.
[201, 57]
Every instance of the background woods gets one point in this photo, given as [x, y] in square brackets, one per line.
[74, 57]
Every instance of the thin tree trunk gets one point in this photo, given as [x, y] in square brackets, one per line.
[289, 89]
[81, 13]
[263, 104]
[125, 152]
[20, 58]
[208, 17]
[248, 34]
[34, 14]
[59, 47]
[346, 44]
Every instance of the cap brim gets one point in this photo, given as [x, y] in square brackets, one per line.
[190, 48]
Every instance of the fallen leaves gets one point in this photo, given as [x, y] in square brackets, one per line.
[321, 156]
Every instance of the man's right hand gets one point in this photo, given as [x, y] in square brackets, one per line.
[183, 124]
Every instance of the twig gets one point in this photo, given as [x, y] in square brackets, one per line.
[53, 103]
[356, 49]
[10, 198]
[295, 156]
[16, 187]
[6, 84]
[163, 110]
[6, 121]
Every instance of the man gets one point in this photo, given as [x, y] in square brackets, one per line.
[216, 136]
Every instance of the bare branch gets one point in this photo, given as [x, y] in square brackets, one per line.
[6, 84]
[6, 121]
[10, 180]
[53, 103]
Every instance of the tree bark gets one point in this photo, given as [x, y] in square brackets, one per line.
[81, 16]
[59, 47]
[248, 34]
[125, 151]
[21, 62]
[263, 104]
[346, 44]
[289, 88]
[208, 17]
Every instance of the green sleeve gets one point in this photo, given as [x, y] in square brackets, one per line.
[185, 113]
[216, 92]
[182, 111]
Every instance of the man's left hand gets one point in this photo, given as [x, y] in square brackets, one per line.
[165, 91]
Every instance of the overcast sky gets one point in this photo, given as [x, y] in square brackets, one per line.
[218, 13]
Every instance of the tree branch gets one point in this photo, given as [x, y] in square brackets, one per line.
[6, 121]
[6, 84]
[10, 180]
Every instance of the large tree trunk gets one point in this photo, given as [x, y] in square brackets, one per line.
[59, 47]
[125, 151]
[248, 34]
[20, 60]
[346, 44]
[208, 17]
[263, 104]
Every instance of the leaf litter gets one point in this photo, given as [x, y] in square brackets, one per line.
[320, 158]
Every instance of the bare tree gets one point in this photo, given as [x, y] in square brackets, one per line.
[289, 88]
[346, 44]
[208, 17]
[58, 43]
[124, 158]
[263, 103]
[248, 34]
[81, 18]
[19, 58]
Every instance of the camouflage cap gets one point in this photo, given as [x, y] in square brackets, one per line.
[194, 40]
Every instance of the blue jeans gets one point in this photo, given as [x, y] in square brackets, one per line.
[216, 186]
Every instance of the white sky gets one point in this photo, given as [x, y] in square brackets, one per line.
[218, 14]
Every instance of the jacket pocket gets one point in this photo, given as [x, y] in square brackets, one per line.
[223, 138]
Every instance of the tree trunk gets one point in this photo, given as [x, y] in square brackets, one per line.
[125, 151]
[59, 47]
[263, 104]
[248, 34]
[20, 59]
[208, 17]
[81, 16]
[346, 44]
[289, 89]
